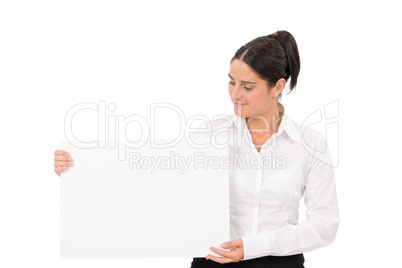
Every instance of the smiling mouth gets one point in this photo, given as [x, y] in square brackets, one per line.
[239, 104]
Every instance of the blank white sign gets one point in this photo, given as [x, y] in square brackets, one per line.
[139, 207]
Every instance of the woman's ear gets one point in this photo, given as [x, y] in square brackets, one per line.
[279, 87]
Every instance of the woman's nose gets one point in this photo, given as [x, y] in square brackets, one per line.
[236, 93]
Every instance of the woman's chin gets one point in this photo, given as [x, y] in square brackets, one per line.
[239, 112]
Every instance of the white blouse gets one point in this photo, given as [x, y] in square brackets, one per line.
[266, 187]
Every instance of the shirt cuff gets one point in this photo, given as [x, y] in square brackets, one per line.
[254, 246]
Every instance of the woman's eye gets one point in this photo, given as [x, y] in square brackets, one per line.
[231, 82]
[247, 88]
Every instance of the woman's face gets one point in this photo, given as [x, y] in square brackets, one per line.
[249, 93]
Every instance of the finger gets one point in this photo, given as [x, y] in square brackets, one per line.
[223, 253]
[61, 163]
[59, 169]
[62, 158]
[61, 152]
[231, 244]
[218, 259]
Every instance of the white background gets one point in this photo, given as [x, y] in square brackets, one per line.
[56, 54]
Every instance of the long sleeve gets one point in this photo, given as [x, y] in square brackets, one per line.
[322, 216]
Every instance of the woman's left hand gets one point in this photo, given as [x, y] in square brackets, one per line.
[235, 254]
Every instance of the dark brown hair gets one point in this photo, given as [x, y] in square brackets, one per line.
[272, 57]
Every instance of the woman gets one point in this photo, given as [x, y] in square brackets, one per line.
[264, 199]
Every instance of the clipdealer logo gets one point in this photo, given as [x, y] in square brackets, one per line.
[325, 118]
[112, 133]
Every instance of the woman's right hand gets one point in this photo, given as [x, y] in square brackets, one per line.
[62, 160]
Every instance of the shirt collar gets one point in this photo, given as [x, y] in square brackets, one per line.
[287, 124]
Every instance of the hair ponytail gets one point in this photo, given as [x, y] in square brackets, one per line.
[273, 57]
[288, 43]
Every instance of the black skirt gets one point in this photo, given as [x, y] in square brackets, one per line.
[293, 261]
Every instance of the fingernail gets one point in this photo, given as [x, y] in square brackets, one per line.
[70, 158]
[66, 153]
[223, 245]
